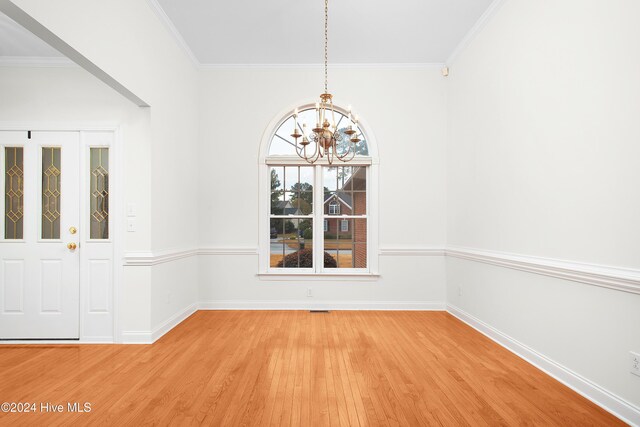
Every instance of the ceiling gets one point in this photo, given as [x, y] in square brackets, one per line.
[291, 31]
[15, 41]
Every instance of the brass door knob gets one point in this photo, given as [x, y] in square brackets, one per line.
[73, 230]
[72, 246]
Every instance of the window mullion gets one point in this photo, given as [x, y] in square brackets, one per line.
[318, 217]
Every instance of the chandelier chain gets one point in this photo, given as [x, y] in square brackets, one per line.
[325, 137]
[326, 42]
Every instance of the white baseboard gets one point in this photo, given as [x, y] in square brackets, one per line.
[149, 337]
[136, 337]
[173, 321]
[97, 340]
[322, 305]
[622, 409]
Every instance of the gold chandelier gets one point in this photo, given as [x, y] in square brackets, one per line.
[325, 134]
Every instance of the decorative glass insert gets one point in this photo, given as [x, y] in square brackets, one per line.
[14, 193]
[99, 193]
[51, 173]
[283, 144]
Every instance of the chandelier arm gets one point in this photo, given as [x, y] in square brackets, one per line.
[353, 154]
[350, 151]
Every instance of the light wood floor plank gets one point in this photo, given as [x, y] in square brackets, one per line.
[294, 368]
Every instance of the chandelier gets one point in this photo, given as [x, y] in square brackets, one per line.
[325, 134]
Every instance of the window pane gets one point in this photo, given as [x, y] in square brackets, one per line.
[283, 143]
[277, 189]
[345, 190]
[291, 243]
[51, 172]
[298, 197]
[14, 193]
[345, 240]
[99, 180]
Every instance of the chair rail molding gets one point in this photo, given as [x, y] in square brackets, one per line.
[621, 279]
[149, 258]
[617, 278]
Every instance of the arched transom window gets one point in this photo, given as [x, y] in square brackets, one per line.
[317, 217]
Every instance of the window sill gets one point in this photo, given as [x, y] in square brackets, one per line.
[319, 277]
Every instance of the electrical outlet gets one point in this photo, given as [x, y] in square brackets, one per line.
[635, 363]
[459, 291]
[309, 293]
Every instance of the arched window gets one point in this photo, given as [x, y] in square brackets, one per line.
[317, 218]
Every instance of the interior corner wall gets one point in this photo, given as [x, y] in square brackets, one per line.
[405, 110]
[127, 41]
[543, 158]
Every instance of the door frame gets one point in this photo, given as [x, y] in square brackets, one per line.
[116, 224]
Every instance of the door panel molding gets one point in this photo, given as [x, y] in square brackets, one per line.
[98, 308]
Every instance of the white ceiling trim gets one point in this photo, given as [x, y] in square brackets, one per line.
[390, 66]
[173, 31]
[168, 24]
[475, 30]
[36, 61]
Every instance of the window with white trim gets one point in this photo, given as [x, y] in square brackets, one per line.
[318, 213]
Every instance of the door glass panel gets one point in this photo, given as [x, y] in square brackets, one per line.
[51, 171]
[14, 192]
[99, 189]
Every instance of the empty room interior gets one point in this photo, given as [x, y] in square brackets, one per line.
[320, 212]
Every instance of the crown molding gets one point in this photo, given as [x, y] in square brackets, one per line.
[173, 31]
[343, 66]
[475, 30]
[37, 62]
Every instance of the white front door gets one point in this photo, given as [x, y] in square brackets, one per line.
[39, 249]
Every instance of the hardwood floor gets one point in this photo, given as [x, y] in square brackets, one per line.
[294, 368]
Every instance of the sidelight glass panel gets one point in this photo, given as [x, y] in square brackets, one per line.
[14, 192]
[99, 193]
[51, 173]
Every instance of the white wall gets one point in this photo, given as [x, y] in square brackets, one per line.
[543, 160]
[406, 110]
[127, 41]
[71, 95]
